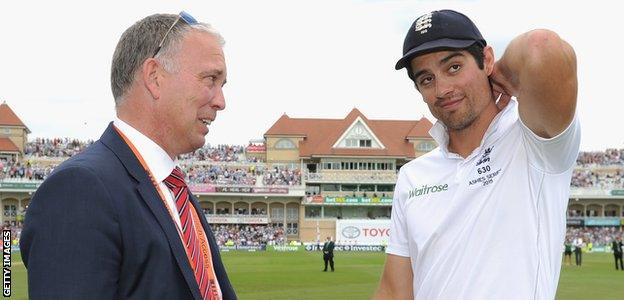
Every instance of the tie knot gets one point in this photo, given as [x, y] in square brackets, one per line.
[178, 172]
[175, 179]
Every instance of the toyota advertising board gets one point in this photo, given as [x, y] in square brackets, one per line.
[362, 232]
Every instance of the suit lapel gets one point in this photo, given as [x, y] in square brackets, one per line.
[150, 195]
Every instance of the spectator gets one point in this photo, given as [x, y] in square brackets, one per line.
[248, 235]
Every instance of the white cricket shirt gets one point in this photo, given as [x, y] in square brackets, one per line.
[489, 226]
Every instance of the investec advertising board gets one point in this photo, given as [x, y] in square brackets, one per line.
[362, 232]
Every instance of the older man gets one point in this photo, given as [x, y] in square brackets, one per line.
[118, 220]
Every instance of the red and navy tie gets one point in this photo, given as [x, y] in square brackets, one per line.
[203, 275]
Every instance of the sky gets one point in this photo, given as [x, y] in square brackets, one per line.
[308, 59]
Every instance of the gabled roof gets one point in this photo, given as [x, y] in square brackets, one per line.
[421, 129]
[321, 134]
[362, 131]
[6, 145]
[9, 118]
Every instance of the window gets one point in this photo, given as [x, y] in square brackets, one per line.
[291, 228]
[378, 213]
[313, 189]
[358, 143]
[425, 146]
[385, 166]
[292, 213]
[313, 212]
[333, 212]
[277, 213]
[351, 142]
[330, 187]
[367, 188]
[349, 187]
[385, 187]
[285, 144]
[365, 143]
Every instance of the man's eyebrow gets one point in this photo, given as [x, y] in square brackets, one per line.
[418, 73]
[450, 56]
[442, 61]
[211, 73]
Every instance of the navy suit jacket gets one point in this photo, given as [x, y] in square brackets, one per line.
[97, 228]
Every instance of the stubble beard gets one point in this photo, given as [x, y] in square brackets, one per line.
[459, 120]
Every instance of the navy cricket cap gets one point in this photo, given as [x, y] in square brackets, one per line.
[441, 29]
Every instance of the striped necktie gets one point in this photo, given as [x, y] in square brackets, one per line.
[202, 268]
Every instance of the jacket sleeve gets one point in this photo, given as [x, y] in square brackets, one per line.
[71, 239]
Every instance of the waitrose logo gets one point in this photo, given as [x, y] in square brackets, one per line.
[425, 189]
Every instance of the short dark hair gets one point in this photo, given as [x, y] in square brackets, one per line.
[476, 50]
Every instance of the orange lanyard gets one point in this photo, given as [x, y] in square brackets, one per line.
[151, 176]
[199, 231]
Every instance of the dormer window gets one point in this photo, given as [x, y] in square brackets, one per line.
[359, 135]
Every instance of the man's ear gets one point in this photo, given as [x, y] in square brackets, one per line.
[151, 75]
[488, 59]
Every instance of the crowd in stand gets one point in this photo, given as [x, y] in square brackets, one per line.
[245, 174]
[598, 236]
[196, 174]
[228, 153]
[57, 147]
[607, 157]
[256, 235]
[67, 147]
[241, 175]
[237, 211]
[230, 234]
[248, 235]
[220, 174]
[26, 170]
[282, 176]
[599, 179]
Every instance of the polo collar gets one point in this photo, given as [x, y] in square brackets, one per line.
[498, 127]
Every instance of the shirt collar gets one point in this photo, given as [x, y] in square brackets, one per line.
[156, 158]
[499, 125]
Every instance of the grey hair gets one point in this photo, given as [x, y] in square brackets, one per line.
[140, 41]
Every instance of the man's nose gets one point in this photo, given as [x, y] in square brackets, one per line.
[443, 88]
[218, 101]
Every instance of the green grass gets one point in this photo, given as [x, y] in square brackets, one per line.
[297, 275]
[596, 279]
[19, 289]
[271, 275]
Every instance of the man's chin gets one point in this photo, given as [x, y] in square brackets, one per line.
[457, 125]
[199, 143]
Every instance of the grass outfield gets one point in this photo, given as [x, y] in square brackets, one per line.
[297, 275]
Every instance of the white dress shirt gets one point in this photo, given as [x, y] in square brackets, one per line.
[158, 162]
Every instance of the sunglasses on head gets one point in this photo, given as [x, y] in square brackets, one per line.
[184, 16]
